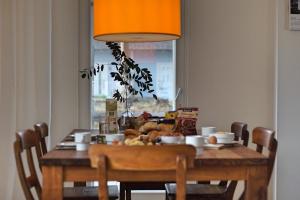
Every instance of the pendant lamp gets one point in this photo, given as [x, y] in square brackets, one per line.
[136, 20]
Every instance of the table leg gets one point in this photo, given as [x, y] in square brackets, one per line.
[52, 183]
[256, 184]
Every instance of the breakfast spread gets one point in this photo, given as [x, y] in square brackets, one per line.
[149, 130]
[149, 133]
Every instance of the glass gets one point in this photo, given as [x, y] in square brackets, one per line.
[103, 128]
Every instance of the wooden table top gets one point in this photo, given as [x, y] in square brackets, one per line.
[227, 156]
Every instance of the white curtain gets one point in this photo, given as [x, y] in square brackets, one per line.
[40, 56]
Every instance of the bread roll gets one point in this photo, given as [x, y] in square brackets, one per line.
[165, 127]
[148, 126]
[131, 133]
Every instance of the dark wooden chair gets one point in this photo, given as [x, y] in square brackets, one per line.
[142, 158]
[206, 191]
[26, 143]
[265, 138]
[42, 131]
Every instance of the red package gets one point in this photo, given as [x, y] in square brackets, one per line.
[186, 121]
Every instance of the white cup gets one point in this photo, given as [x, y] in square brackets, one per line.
[83, 137]
[82, 147]
[195, 140]
[206, 131]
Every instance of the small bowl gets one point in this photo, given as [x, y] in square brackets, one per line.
[206, 131]
[224, 137]
[172, 139]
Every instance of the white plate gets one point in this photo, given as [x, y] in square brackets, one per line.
[213, 146]
[67, 144]
[231, 142]
[93, 132]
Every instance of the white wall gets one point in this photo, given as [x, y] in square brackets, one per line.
[230, 62]
[65, 52]
[288, 107]
[226, 62]
[70, 52]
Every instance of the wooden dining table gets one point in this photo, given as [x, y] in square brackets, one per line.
[230, 163]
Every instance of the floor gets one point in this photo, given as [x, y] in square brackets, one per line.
[148, 195]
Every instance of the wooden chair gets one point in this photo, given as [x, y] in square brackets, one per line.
[265, 138]
[42, 131]
[142, 158]
[25, 141]
[127, 187]
[28, 141]
[205, 191]
[241, 132]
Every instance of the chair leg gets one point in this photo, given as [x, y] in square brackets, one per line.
[122, 191]
[242, 197]
[128, 194]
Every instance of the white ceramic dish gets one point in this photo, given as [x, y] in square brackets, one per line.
[206, 131]
[172, 139]
[82, 147]
[224, 137]
[114, 136]
[67, 144]
[229, 143]
[195, 140]
[213, 146]
[83, 137]
[93, 132]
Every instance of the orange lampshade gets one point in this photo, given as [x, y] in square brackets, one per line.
[136, 20]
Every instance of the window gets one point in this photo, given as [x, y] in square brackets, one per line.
[158, 57]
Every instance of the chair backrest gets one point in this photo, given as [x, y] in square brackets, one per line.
[240, 132]
[42, 130]
[142, 158]
[264, 137]
[25, 142]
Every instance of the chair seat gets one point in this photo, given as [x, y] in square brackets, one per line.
[198, 191]
[89, 193]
